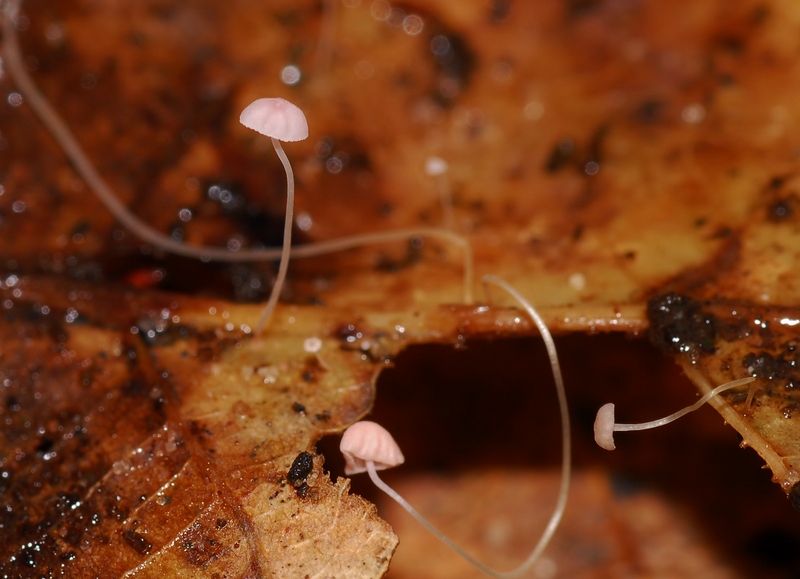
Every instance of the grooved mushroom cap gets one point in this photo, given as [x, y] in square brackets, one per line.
[365, 441]
[276, 118]
[604, 427]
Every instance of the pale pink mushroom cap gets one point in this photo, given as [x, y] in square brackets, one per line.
[276, 118]
[365, 441]
[604, 427]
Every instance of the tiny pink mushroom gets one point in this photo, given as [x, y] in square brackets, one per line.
[276, 118]
[279, 120]
[367, 446]
[604, 425]
[369, 441]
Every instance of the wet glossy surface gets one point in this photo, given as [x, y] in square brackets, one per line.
[599, 155]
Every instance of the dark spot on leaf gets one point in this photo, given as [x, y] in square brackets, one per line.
[312, 369]
[137, 542]
[765, 365]
[455, 61]
[302, 490]
[579, 8]
[300, 469]
[780, 210]
[200, 548]
[499, 11]
[413, 255]
[730, 43]
[44, 446]
[678, 325]
[594, 153]
[250, 217]
[561, 155]
[722, 233]
[348, 334]
[776, 182]
[650, 111]
[759, 15]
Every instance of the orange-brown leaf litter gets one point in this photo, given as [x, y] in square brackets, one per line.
[630, 166]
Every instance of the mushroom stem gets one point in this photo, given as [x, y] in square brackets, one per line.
[684, 411]
[446, 199]
[378, 482]
[437, 169]
[351, 241]
[561, 501]
[604, 426]
[287, 238]
[63, 136]
[59, 130]
[566, 442]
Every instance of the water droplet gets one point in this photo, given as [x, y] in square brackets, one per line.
[290, 75]
[304, 221]
[413, 25]
[693, 114]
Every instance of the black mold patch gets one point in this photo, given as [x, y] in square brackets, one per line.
[772, 367]
[678, 325]
[300, 469]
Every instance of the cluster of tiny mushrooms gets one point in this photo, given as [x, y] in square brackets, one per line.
[366, 446]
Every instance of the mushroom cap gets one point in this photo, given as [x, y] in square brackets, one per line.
[369, 441]
[604, 427]
[276, 118]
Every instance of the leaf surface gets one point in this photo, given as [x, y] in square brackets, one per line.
[603, 157]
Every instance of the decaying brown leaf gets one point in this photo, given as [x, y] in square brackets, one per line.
[177, 450]
[629, 166]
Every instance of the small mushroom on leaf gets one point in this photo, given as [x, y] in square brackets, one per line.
[286, 124]
[366, 442]
[605, 427]
[279, 120]
[367, 446]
